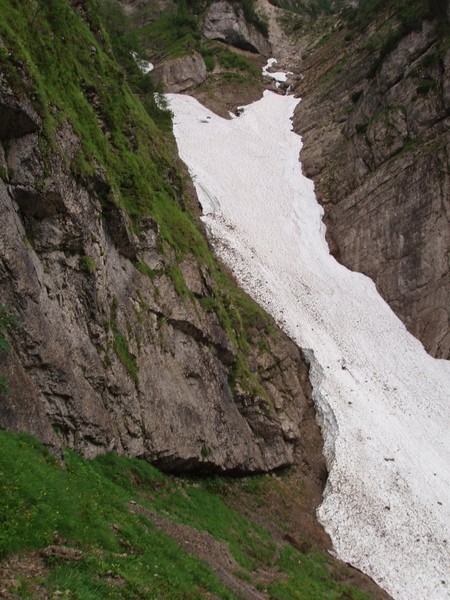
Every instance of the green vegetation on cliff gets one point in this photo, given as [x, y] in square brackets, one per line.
[396, 19]
[63, 61]
[311, 8]
[74, 62]
[172, 34]
[99, 529]
[7, 321]
[375, 88]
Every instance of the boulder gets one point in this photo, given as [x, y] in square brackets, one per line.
[183, 73]
[227, 23]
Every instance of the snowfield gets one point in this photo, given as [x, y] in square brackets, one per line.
[383, 402]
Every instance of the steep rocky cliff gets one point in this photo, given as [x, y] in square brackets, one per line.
[226, 22]
[131, 337]
[375, 121]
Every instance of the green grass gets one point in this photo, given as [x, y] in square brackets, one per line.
[208, 57]
[228, 59]
[177, 34]
[123, 555]
[306, 579]
[121, 347]
[426, 85]
[88, 264]
[145, 269]
[87, 507]
[4, 174]
[74, 75]
[171, 35]
[195, 506]
[7, 322]
[234, 78]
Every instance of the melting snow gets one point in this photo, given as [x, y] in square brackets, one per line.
[382, 400]
[143, 65]
[278, 76]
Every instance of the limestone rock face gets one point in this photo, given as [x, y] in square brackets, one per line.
[378, 148]
[109, 358]
[183, 73]
[226, 23]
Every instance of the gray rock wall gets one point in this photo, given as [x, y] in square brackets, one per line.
[183, 73]
[378, 150]
[108, 358]
[225, 22]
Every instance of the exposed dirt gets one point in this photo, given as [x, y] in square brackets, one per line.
[286, 507]
[223, 96]
[29, 568]
[215, 554]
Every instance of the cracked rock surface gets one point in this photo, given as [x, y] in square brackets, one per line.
[377, 146]
[67, 271]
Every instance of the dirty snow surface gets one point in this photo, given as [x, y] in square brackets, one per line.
[382, 400]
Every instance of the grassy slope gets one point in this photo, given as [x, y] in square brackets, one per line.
[84, 506]
[74, 77]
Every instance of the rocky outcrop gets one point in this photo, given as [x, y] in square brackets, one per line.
[376, 142]
[108, 356]
[182, 74]
[226, 22]
[18, 118]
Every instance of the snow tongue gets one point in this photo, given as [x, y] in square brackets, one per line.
[382, 401]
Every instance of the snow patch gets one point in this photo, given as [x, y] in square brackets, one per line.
[383, 401]
[143, 65]
[278, 76]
